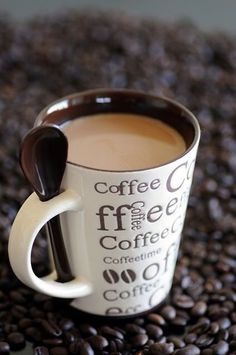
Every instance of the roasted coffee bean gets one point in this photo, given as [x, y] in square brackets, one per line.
[58, 351]
[156, 318]
[41, 350]
[199, 309]
[207, 351]
[17, 297]
[161, 349]
[214, 328]
[34, 334]
[98, 342]
[85, 349]
[223, 334]
[119, 344]
[52, 342]
[112, 333]
[66, 324]
[232, 332]
[189, 350]
[139, 340]
[50, 328]
[25, 323]
[16, 340]
[232, 345]
[4, 348]
[168, 312]
[190, 338]
[220, 348]
[74, 345]
[87, 329]
[18, 311]
[204, 341]
[154, 331]
[10, 328]
[134, 329]
[178, 342]
[40, 298]
[183, 301]
[224, 323]
[201, 327]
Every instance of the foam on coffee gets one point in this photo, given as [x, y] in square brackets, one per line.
[122, 141]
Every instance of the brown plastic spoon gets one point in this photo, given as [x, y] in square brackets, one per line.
[43, 157]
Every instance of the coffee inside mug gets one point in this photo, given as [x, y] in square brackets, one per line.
[121, 130]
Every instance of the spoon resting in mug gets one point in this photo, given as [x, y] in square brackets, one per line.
[43, 157]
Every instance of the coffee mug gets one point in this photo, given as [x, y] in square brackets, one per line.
[121, 228]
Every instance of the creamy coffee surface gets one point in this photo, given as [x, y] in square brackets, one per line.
[122, 141]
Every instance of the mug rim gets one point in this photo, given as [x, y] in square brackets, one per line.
[67, 101]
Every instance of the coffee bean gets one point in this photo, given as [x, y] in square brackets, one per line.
[17, 297]
[183, 301]
[204, 340]
[168, 312]
[154, 331]
[139, 340]
[134, 329]
[74, 345]
[50, 328]
[111, 276]
[156, 318]
[224, 323]
[16, 340]
[4, 348]
[201, 327]
[25, 323]
[232, 345]
[41, 350]
[9, 328]
[113, 333]
[34, 334]
[86, 349]
[58, 351]
[66, 324]
[128, 276]
[207, 351]
[220, 348]
[87, 329]
[214, 328]
[178, 342]
[232, 332]
[190, 338]
[189, 350]
[161, 349]
[199, 309]
[98, 342]
[53, 342]
[223, 334]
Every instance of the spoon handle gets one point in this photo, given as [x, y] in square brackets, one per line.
[60, 258]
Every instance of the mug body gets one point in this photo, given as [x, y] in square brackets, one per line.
[124, 239]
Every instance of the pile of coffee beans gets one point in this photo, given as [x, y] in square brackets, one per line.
[47, 58]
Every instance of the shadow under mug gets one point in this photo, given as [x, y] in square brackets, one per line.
[119, 269]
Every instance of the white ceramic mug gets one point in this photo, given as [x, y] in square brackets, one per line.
[121, 229]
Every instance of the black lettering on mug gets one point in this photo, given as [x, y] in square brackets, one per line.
[172, 178]
[151, 271]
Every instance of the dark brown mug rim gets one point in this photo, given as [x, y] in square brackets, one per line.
[77, 98]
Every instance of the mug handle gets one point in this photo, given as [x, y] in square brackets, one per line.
[32, 216]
